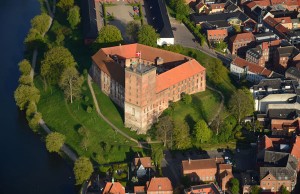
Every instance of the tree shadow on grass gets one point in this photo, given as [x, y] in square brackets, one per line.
[190, 121]
[198, 107]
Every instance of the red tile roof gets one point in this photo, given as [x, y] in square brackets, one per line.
[252, 67]
[222, 32]
[113, 188]
[199, 5]
[217, 6]
[250, 4]
[296, 148]
[159, 184]
[283, 20]
[263, 3]
[243, 37]
[199, 164]
[145, 161]
[178, 74]
[139, 189]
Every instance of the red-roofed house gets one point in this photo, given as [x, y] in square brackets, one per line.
[239, 43]
[142, 80]
[216, 35]
[113, 188]
[210, 188]
[224, 175]
[142, 165]
[284, 126]
[285, 21]
[200, 170]
[296, 150]
[156, 185]
[216, 8]
[202, 8]
[252, 72]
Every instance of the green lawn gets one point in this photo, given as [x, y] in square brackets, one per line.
[114, 113]
[66, 118]
[203, 106]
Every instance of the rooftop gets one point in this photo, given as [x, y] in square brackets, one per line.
[113, 188]
[288, 51]
[207, 187]
[199, 164]
[219, 17]
[145, 161]
[242, 37]
[159, 184]
[217, 32]
[292, 71]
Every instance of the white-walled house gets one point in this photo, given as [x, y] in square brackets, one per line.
[252, 72]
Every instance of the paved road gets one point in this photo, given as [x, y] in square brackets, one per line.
[185, 38]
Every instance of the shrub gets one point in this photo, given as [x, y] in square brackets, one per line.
[89, 109]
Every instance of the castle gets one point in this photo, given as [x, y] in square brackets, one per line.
[143, 80]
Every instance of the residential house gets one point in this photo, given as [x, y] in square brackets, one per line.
[217, 35]
[216, 8]
[250, 71]
[255, 55]
[293, 73]
[290, 5]
[155, 185]
[295, 23]
[238, 44]
[265, 37]
[285, 21]
[113, 188]
[200, 170]
[273, 92]
[202, 8]
[284, 127]
[210, 188]
[285, 57]
[142, 166]
[280, 169]
[231, 7]
[224, 175]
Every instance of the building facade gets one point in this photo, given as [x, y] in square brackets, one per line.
[143, 80]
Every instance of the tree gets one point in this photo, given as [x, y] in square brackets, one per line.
[74, 17]
[31, 110]
[83, 169]
[34, 122]
[147, 36]
[221, 46]
[65, 5]
[181, 9]
[109, 35]
[157, 154]
[41, 23]
[181, 136]
[85, 133]
[26, 80]
[54, 63]
[241, 104]
[54, 141]
[34, 39]
[237, 28]
[255, 189]
[24, 67]
[234, 186]
[25, 94]
[201, 132]
[283, 190]
[164, 129]
[187, 99]
[71, 82]
[132, 29]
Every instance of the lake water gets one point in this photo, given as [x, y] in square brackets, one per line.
[25, 164]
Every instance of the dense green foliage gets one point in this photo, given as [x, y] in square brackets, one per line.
[25, 94]
[55, 61]
[65, 5]
[180, 8]
[83, 169]
[234, 186]
[201, 132]
[71, 82]
[132, 29]
[186, 98]
[181, 136]
[34, 121]
[164, 129]
[26, 80]
[54, 141]
[147, 36]
[24, 67]
[74, 17]
[41, 23]
[109, 35]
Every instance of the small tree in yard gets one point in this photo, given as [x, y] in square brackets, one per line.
[109, 35]
[132, 29]
[201, 132]
[255, 190]
[83, 169]
[186, 98]
[157, 153]
[70, 83]
[54, 141]
[283, 190]
[181, 136]
[65, 5]
[85, 133]
[164, 129]
[24, 67]
[234, 186]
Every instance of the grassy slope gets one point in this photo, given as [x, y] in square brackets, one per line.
[203, 106]
[66, 118]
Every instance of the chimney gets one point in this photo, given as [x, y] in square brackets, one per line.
[283, 21]
[189, 160]
[159, 61]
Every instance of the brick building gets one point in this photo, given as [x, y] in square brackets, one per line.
[239, 43]
[224, 175]
[155, 185]
[113, 188]
[285, 57]
[216, 35]
[200, 170]
[255, 55]
[204, 189]
[143, 80]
